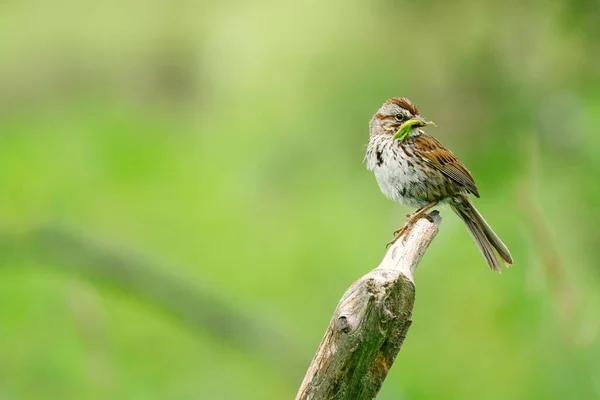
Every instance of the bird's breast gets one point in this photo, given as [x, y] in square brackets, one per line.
[401, 174]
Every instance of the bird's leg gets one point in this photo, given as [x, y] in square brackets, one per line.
[414, 217]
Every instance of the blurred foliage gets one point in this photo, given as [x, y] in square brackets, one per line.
[225, 140]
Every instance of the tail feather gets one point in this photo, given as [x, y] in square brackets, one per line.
[485, 238]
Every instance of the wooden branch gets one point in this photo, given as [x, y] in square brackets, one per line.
[369, 323]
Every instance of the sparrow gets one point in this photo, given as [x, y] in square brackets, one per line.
[415, 169]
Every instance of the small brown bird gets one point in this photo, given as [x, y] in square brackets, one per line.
[417, 170]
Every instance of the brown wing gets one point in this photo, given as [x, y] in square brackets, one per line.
[441, 158]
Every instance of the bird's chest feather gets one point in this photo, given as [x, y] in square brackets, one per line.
[400, 173]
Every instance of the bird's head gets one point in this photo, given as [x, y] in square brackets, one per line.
[398, 117]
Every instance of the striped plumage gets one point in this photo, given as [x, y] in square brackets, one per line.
[419, 171]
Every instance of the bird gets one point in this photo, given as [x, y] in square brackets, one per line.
[415, 169]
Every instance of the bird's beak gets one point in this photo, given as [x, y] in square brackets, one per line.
[406, 127]
[422, 122]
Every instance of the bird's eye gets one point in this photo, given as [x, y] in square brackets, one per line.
[399, 117]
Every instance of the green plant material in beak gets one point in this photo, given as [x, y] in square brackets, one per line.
[406, 127]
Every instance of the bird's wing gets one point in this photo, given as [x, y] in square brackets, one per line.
[441, 158]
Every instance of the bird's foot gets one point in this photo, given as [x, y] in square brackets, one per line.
[419, 216]
[400, 231]
[397, 234]
[412, 219]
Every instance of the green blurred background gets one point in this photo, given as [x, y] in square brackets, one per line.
[184, 201]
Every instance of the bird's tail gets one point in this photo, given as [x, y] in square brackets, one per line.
[485, 238]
